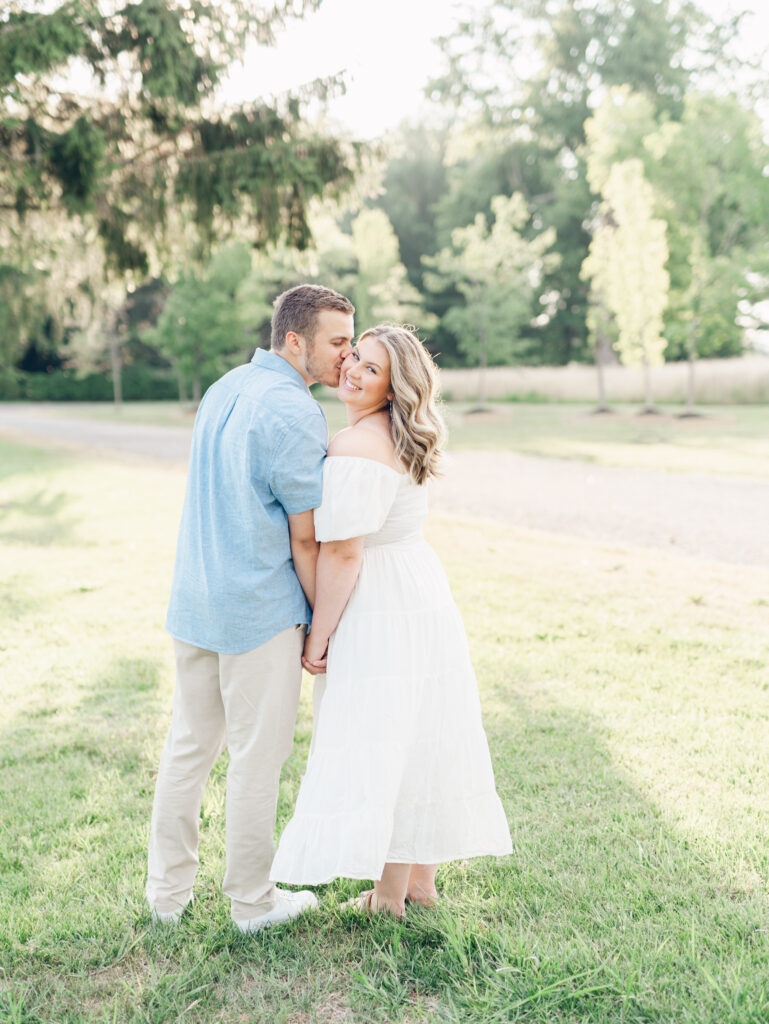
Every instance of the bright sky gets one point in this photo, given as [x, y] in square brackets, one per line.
[387, 49]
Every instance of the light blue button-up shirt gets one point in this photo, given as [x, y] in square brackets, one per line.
[257, 457]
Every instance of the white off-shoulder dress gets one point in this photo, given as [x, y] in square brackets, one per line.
[399, 768]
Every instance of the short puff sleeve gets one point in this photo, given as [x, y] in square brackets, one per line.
[357, 495]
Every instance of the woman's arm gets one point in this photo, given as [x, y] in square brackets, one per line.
[339, 563]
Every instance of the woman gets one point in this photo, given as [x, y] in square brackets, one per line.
[399, 777]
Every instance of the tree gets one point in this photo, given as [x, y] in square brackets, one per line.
[614, 133]
[22, 313]
[601, 325]
[617, 131]
[707, 170]
[141, 149]
[219, 312]
[414, 180]
[496, 270]
[533, 71]
[711, 170]
[364, 264]
[48, 263]
[201, 322]
[381, 289]
[626, 262]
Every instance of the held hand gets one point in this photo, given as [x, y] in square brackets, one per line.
[314, 657]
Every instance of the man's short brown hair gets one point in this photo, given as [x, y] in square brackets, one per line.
[297, 310]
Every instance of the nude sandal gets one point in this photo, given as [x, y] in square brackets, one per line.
[362, 904]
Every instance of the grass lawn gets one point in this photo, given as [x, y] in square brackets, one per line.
[625, 699]
[724, 439]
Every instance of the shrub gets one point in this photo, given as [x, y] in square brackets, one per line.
[11, 389]
[140, 383]
[143, 383]
[64, 386]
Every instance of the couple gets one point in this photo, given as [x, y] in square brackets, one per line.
[399, 777]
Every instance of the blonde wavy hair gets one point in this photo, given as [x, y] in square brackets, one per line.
[417, 426]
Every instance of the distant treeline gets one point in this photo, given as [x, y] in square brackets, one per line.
[591, 186]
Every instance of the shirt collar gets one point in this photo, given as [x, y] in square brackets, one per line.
[270, 360]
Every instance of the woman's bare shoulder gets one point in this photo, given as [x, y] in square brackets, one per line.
[363, 442]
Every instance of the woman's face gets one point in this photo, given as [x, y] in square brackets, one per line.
[364, 382]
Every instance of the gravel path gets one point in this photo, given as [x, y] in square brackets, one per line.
[171, 444]
[714, 517]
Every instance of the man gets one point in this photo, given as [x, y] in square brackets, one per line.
[245, 572]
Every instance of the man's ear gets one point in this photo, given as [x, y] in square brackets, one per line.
[294, 343]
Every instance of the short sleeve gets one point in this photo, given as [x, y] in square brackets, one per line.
[296, 470]
[357, 495]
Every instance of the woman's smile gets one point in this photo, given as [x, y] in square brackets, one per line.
[365, 378]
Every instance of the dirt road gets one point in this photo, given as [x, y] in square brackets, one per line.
[714, 517]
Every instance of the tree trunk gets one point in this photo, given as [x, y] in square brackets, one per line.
[196, 396]
[690, 386]
[649, 404]
[481, 367]
[602, 406]
[601, 346]
[697, 260]
[692, 360]
[116, 363]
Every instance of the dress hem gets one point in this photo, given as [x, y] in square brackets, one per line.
[341, 872]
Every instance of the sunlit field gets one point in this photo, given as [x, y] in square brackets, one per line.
[624, 695]
[717, 382]
[723, 439]
[548, 181]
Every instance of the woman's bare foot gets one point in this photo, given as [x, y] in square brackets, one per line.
[421, 885]
[427, 897]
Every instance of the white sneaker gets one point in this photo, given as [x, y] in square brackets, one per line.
[166, 916]
[169, 916]
[288, 906]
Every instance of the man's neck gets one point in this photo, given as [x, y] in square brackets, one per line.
[292, 360]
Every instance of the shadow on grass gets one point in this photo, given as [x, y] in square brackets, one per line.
[39, 504]
[75, 784]
[601, 915]
[16, 601]
[45, 521]
[40, 517]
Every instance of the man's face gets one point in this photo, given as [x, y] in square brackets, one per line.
[324, 355]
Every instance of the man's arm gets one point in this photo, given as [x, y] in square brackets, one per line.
[304, 551]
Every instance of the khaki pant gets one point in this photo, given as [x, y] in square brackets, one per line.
[248, 703]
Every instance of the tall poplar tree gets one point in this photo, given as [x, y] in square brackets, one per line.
[627, 262]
